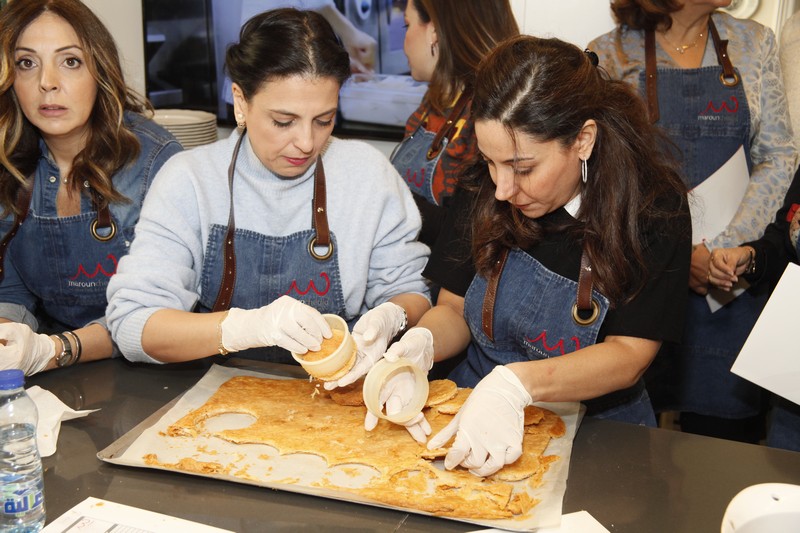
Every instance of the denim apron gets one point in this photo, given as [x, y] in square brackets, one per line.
[705, 113]
[533, 320]
[269, 267]
[74, 259]
[418, 155]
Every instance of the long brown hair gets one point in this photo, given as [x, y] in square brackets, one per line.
[645, 14]
[467, 30]
[547, 89]
[110, 144]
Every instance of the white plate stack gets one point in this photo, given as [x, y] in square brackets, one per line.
[191, 127]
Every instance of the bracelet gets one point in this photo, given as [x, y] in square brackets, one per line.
[78, 347]
[65, 358]
[751, 266]
[220, 347]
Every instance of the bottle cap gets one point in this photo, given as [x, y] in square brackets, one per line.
[339, 362]
[11, 379]
[381, 373]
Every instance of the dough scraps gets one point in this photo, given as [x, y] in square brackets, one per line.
[290, 418]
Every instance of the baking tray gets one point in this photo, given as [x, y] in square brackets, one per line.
[297, 472]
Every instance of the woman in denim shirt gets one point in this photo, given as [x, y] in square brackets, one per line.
[77, 160]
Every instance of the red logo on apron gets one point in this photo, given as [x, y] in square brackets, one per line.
[311, 286]
[97, 269]
[711, 108]
[560, 344]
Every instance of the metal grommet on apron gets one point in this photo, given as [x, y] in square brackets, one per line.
[97, 224]
[321, 237]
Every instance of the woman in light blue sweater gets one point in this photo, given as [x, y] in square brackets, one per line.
[253, 232]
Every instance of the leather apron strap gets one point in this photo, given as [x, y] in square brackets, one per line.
[319, 220]
[487, 314]
[728, 77]
[584, 302]
[651, 75]
[23, 202]
[320, 216]
[450, 123]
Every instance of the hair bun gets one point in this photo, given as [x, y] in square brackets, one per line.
[592, 57]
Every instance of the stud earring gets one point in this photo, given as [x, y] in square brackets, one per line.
[584, 170]
[240, 120]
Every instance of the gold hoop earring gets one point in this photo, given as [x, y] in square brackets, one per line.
[433, 49]
[584, 170]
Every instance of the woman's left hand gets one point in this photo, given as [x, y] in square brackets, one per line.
[489, 426]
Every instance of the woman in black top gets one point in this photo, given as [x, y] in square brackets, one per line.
[579, 234]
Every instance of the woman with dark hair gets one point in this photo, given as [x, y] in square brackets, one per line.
[77, 158]
[445, 41]
[264, 231]
[769, 256]
[713, 83]
[580, 238]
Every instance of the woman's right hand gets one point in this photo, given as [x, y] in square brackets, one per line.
[23, 348]
[286, 322]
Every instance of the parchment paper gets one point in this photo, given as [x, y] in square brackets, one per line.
[263, 466]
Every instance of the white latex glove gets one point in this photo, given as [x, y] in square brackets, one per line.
[286, 322]
[416, 346]
[489, 426]
[372, 334]
[24, 348]
[395, 394]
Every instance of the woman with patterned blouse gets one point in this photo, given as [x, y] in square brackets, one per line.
[713, 83]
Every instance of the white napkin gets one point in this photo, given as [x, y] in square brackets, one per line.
[51, 412]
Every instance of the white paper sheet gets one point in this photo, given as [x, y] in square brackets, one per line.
[770, 356]
[93, 515]
[578, 522]
[713, 204]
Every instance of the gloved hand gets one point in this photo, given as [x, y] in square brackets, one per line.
[372, 334]
[395, 394]
[24, 349]
[416, 346]
[286, 322]
[489, 426]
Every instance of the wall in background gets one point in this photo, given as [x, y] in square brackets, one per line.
[123, 18]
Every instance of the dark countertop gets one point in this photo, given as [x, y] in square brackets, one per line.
[630, 478]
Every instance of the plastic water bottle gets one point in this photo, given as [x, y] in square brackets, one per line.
[20, 464]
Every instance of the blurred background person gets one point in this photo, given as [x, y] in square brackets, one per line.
[445, 41]
[713, 83]
[790, 65]
[761, 263]
[360, 46]
[78, 157]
